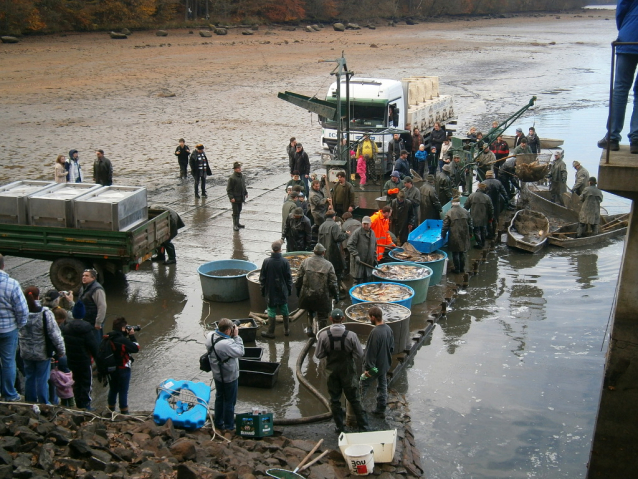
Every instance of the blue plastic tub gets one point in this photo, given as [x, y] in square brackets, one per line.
[427, 236]
[420, 285]
[436, 266]
[190, 400]
[225, 288]
[404, 302]
[446, 207]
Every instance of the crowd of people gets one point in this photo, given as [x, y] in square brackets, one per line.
[69, 170]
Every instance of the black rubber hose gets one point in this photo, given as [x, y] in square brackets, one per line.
[313, 390]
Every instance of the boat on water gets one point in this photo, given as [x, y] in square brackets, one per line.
[528, 231]
[611, 226]
[546, 143]
[539, 199]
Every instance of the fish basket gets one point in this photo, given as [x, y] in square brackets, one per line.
[377, 289]
[437, 266]
[397, 317]
[419, 284]
[530, 167]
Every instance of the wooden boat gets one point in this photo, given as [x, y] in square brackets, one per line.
[538, 198]
[528, 231]
[547, 143]
[611, 226]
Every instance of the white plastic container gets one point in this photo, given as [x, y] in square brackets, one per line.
[384, 443]
[360, 459]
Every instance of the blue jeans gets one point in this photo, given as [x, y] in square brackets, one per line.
[625, 72]
[225, 399]
[119, 381]
[8, 347]
[36, 385]
[98, 335]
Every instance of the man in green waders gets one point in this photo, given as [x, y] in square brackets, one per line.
[340, 347]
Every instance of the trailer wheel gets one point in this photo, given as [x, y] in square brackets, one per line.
[66, 274]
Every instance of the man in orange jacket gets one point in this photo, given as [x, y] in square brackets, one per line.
[381, 226]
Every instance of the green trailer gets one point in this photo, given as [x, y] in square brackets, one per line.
[73, 250]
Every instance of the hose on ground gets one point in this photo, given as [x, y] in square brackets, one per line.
[311, 388]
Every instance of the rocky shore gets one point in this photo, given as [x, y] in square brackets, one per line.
[54, 442]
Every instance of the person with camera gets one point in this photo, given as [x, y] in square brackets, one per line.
[224, 347]
[124, 344]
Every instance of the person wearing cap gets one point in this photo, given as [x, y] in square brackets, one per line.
[413, 195]
[458, 224]
[72, 165]
[316, 283]
[500, 199]
[459, 173]
[508, 177]
[297, 231]
[501, 149]
[318, 202]
[380, 224]
[403, 220]
[182, 152]
[332, 238]
[237, 193]
[393, 186]
[301, 164]
[362, 246]
[589, 216]
[342, 195]
[395, 147]
[291, 149]
[533, 141]
[444, 184]
[558, 179]
[429, 206]
[582, 178]
[200, 169]
[342, 348]
[482, 212]
[289, 205]
[518, 138]
[350, 223]
[275, 280]
[296, 181]
[522, 148]
[102, 169]
[81, 345]
[378, 359]
[485, 161]
[369, 150]
[401, 165]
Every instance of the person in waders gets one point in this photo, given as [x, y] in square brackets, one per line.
[340, 347]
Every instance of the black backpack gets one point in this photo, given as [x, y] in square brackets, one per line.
[106, 360]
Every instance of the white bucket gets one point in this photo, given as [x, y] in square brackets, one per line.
[360, 459]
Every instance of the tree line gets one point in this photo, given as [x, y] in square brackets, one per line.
[48, 16]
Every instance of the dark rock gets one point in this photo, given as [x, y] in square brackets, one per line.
[5, 457]
[23, 460]
[60, 435]
[288, 29]
[374, 45]
[205, 34]
[95, 464]
[45, 457]
[190, 32]
[118, 36]
[79, 448]
[219, 31]
[67, 467]
[161, 33]
[270, 32]
[23, 472]
[409, 21]
[184, 450]
[185, 472]
[9, 39]
[27, 447]
[10, 443]
[247, 32]
[6, 472]
[316, 28]
[125, 453]
[339, 27]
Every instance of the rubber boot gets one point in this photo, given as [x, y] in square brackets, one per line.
[239, 225]
[338, 417]
[362, 418]
[286, 325]
[270, 334]
[462, 263]
[235, 227]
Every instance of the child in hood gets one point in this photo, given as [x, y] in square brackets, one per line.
[62, 380]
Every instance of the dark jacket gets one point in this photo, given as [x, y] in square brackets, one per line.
[125, 345]
[627, 24]
[458, 223]
[402, 217]
[199, 164]
[394, 149]
[79, 341]
[497, 194]
[297, 233]
[402, 166]
[103, 172]
[291, 150]
[86, 295]
[331, 236]
[430, 205]
[481, 208]
[343, 195]
[379, 349]
[236, 187]
[275, 280]
[182, 153]
[443, 187]
[592, 197]
[437, 138]
[301, 163]
[316, 282]
[500, 149]
[362, 244]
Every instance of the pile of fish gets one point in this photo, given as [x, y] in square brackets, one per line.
[400, 272]
[416, 257]
[389, 292]
[391, 312]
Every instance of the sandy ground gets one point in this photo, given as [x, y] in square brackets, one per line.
[86, 91]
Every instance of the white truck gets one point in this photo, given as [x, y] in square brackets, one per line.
[378, 104]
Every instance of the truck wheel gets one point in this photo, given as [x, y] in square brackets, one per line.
[66, 274]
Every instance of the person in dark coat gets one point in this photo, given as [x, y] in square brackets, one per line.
[482, 213]
[237, 193]
[458, 223]
[413, 195]
[175, 223]
[558, 179]
[291, 149]
[297, 231]
[378, 359]
[301, 163]
[437, 137]
[81, 345]
[275, 280]
[393, 186]
[589, 215]
[125, 344]
[182, 152]
[342, 195]
[289, 205]
[498, 195]
[433, 160]
[403, 220]
[395, 147]
[533, 141]
[331, 237]
[430, 205]
[362, 246]
[501, 149]
[444, 184]
[102, 169]
[200, 169]
[402, 164]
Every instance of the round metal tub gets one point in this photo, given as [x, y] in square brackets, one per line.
[436, 266]
[397, 317]
[407, 302]
[257, 301]
[293, 299]
[225, 289]
[419, 285]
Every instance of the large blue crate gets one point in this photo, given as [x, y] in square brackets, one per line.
[426, 238]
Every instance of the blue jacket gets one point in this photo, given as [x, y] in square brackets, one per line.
[421, 155]
[627, 23]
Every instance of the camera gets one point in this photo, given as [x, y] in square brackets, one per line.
[134, 328]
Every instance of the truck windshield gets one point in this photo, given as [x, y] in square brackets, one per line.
[362, 114]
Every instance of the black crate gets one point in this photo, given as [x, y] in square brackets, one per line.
[258, 374]
[253, 354]
[248, 334]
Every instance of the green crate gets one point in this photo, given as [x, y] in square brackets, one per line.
[253, 425]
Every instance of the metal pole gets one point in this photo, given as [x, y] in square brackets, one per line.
[348, 169]
[611, 99]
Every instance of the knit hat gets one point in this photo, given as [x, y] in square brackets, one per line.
[489, 174]
[236, 165]
[366, 219]
[319, 248]
[395, 174]
[79, 311]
